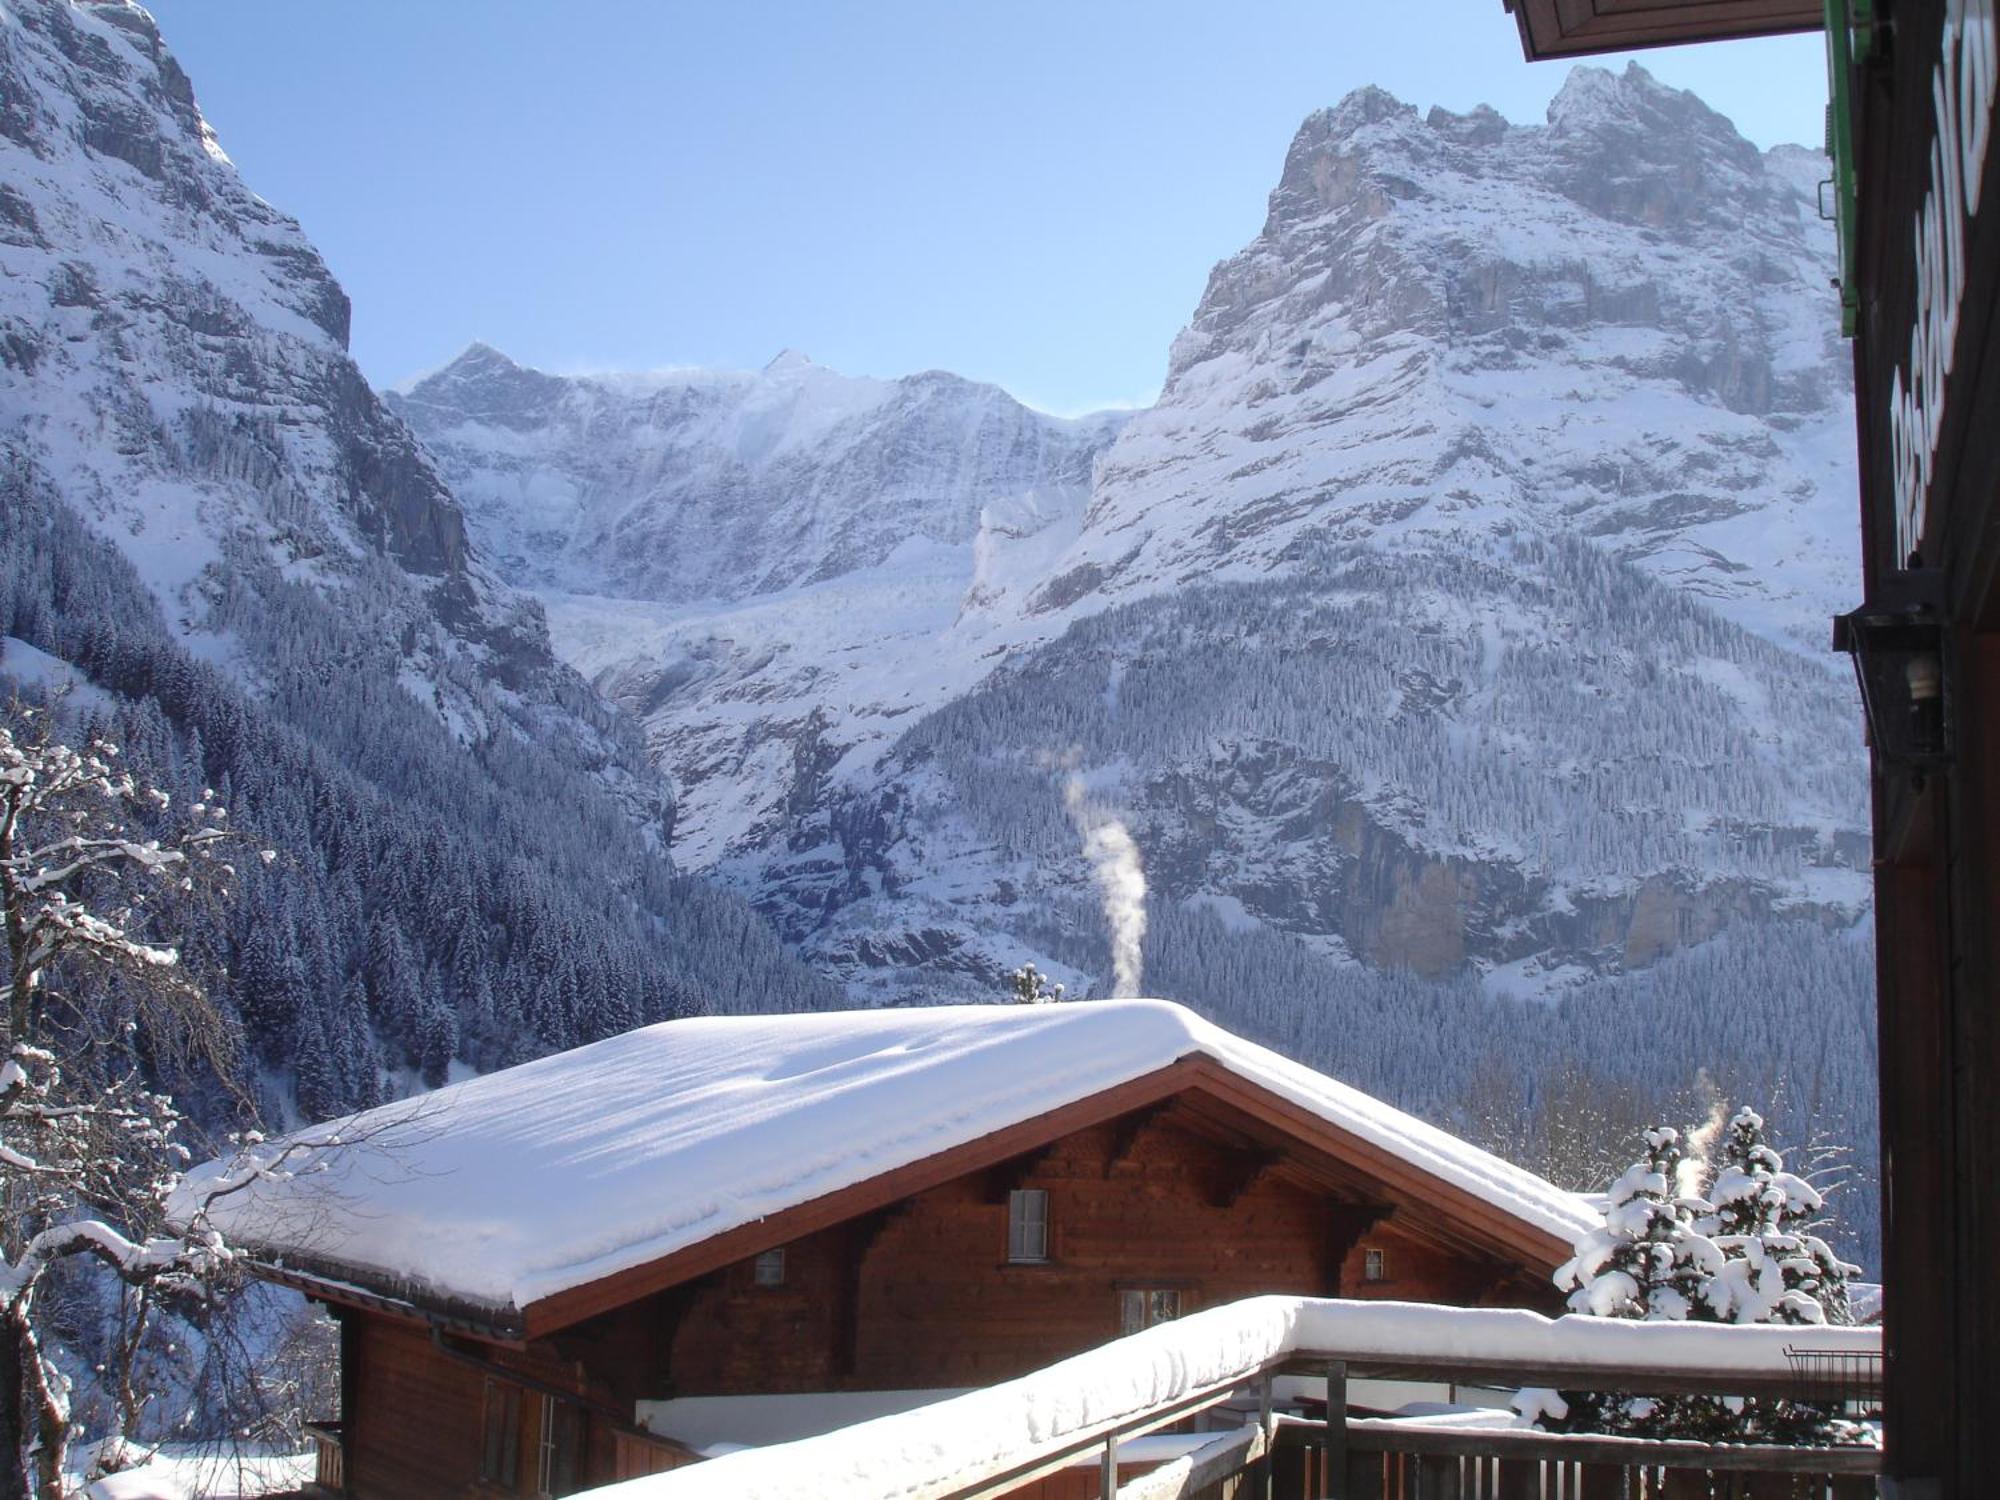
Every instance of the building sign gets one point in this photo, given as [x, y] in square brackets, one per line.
[1962, 92]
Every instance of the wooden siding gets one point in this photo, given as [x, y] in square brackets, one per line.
[1202, 1196]
[920, 1294]
[414, 1428]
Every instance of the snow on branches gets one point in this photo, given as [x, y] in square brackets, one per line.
[92, 863]
[1743, 1254]
[75, 877]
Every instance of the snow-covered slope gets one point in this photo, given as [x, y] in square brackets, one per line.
[762, 564]
[699, 484]
[1491, 431]
[173, 364]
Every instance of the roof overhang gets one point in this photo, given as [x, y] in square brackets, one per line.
[1530, 1245]
[1578, 28]
[1503, 1233]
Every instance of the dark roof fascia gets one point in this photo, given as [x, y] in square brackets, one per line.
[1553, 29]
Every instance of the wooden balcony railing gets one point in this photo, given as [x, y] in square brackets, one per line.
[1006, 1442]
[329, 1480]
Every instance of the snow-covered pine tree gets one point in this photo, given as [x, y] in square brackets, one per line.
[1648, 1260]
[1664, 1253]
[1775, 1269]
[1029, 986]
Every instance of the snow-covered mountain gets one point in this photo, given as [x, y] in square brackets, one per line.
[207, 513]
[1454, 329]
[758, 561]
[173, 361]
[1491, 431]
[690, 485]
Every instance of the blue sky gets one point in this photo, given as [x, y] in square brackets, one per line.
[1024, 192]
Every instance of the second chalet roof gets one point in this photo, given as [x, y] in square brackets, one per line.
[511, 1188]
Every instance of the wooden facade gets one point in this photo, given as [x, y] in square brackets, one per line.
[1178, 1203]
[1927, 363]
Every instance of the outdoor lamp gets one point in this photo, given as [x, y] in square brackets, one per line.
[1897, 644]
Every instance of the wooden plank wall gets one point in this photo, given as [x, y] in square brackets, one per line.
[413, 1431]
[922, 1296]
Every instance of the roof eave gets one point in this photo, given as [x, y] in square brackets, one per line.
[1552, 29]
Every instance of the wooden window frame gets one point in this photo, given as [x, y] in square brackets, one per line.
[1028, 1233]
[768, 1268]
[1150, 1301]
[500, 1435]
[558, 1449]
[1374, 1264]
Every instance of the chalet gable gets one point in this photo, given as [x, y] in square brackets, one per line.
[531, 1199]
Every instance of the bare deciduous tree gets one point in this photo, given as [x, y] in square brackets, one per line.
[89, 994]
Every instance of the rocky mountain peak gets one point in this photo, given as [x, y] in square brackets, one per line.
[1388, 356]
[484, 382]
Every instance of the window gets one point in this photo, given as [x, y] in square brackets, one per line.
[500, 1453]
[556, 1448]
[1374, 1266]
[1028, 1225]
[1140, 1307]
[769, 1268]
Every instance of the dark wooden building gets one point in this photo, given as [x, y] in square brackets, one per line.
[1910, 178]
[856, 1212]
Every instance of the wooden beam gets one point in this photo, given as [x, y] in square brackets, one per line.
[1333, 1484]
[1125, 1134]
[1346, 1223]
[1241, 1172]
[1405, 1180]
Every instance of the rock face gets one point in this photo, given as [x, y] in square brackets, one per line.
[173, 362]
[1455, 329]
[700, 485]
[1458, 610]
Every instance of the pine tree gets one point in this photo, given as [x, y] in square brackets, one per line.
[1745, 1257]
[1775, 1270]
[1648, 1261]
[1028, 986]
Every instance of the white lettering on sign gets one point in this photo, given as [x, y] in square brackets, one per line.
[1962, 89]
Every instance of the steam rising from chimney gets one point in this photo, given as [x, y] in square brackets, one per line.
[1121, 884]
[1700, 1144]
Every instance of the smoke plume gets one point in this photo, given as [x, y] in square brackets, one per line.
[1121, 884]
[1700, 1144]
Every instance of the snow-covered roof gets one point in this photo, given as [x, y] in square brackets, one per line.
[510, 1188]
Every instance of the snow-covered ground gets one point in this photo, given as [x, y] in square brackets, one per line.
[186, 1471]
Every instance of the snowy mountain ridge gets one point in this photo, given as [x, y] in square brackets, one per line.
[690, 485]
[1456, 347]
[1454, 328]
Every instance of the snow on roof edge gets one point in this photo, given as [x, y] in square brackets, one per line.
[743, 1131]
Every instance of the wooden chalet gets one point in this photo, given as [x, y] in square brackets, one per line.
[536, 1272]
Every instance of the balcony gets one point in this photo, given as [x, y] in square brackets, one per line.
[1070, 1432]
[329, 1481]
